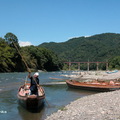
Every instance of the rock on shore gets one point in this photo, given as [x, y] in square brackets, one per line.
[101, 106]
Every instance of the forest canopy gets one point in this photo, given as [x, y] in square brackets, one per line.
[36, 58]
[101, 47]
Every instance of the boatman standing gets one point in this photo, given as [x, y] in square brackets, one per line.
[34, 83]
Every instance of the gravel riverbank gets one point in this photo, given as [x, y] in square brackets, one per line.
[101, 106]
[92, 75]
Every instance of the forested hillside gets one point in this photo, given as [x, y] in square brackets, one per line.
[36, 58]
[100, 47]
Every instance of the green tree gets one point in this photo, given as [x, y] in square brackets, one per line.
[41, 58]
[6, 55]
[114, 63]
[10, 38]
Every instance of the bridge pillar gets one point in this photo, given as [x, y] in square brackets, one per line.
[69, 66]
[88, 64]
[107, 66]
[97, 65]
[78, 66]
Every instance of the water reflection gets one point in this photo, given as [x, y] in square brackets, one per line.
[28, 115]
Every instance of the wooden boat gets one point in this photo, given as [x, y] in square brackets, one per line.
[30, 101]
[96, 86]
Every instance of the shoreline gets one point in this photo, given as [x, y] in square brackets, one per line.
[100, 106]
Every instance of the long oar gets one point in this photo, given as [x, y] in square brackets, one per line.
[21, 57]
[26, 66]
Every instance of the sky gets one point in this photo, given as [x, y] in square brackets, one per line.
[37, 21]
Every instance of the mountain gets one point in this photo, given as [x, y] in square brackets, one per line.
[100, 47]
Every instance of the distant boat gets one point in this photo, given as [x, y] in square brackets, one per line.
[95, 86]
[40, 71]
[30, 101]
[110, 72]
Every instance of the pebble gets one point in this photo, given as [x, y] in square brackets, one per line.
[100, 106]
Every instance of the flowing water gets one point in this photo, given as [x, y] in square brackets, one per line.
[57, 96]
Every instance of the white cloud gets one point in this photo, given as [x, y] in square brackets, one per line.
[87, 36]
[22, 44]
[72, 38]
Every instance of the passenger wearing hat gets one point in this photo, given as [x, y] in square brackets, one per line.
[34, 82]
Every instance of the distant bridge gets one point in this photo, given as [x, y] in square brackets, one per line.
[88, 64]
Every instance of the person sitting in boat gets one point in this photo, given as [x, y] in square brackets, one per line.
[34, 83]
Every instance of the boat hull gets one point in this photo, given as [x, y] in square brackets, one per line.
[31, 102]
[84, 86]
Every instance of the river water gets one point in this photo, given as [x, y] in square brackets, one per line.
[57, 96]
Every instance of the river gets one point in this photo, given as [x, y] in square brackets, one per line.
[57, 96]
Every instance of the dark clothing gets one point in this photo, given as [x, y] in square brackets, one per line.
[33, 86]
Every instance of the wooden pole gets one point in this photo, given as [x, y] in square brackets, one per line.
[21, 57]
